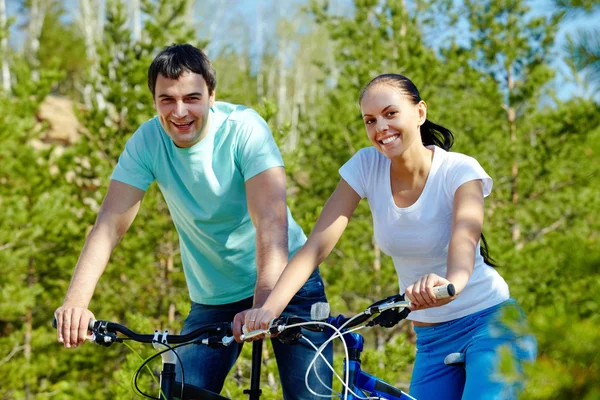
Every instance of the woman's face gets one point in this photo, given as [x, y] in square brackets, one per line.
[391, 119]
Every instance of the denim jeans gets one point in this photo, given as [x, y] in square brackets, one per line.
[493, 344]
[207, 367]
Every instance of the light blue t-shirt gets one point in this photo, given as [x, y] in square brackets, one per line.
[204, 187]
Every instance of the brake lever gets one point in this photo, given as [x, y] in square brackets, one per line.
[390, 317]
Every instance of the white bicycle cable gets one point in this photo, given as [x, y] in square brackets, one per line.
[338, 334]
[319, 353]
[312, 365]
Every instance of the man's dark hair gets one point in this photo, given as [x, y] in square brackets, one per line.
[176, 59]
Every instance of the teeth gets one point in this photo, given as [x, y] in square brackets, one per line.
[389, 140]
[182, 125]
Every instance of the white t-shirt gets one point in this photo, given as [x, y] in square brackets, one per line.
[417, 237]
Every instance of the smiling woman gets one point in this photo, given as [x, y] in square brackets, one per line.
[428, 206]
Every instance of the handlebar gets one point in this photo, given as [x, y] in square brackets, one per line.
[388, 310]
[105, 333]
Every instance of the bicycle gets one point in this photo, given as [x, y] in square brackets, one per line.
[105, 333]
[391, 311]
[288, 330]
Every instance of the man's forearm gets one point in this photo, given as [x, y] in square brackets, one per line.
[90, 266]
[271, 257]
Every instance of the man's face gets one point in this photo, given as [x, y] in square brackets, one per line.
[183, 106]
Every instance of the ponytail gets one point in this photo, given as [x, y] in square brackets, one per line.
[434, 134]
[484, 250]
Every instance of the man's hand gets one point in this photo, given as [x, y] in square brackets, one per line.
[72, 324]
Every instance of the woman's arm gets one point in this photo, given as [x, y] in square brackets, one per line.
[327, 231]
[467, 223]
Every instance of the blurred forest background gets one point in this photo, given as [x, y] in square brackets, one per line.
[73, 90]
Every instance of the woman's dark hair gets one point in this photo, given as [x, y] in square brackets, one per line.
[431, 134]
[176, 59]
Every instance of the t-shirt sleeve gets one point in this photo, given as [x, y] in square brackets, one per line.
[468, 169]
[256, 150]
[353, 172]
[133, 167]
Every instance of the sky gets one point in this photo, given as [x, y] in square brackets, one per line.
[264, 13]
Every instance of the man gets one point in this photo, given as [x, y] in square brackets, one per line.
[222, 177]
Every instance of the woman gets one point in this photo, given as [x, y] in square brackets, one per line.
[428, 209]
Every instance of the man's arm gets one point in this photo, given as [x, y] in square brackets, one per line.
[267, 206]
[116, 214]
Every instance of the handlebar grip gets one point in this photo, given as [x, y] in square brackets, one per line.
[443, 292]
[271, 330]
[252, 334]
[90, 324]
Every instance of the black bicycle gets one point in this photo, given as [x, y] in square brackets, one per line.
[105, 333]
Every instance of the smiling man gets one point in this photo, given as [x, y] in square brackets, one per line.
[222, 177]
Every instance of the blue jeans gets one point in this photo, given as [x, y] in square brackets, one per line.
[492, 346]
[207, 368]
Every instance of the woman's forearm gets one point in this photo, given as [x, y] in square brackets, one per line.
[292, 279]
[461, 261]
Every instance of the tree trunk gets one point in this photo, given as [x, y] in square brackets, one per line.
[4, 48]
[282, 102]
[216, 17]
[170, 288]
[377, 282]
[166, 257]
[92, 32]
[511, 116]
[403, 26]
[297, 104]
[37, 12]
[258, 44]
[29, 328]
[270, 377]
[136, 20]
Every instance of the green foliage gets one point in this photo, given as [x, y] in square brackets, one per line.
[61, 48]
[49, 195]
[33, 237]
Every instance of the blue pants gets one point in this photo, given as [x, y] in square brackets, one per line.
[207, 368]
[488, 347]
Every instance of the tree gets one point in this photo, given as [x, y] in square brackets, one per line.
[584, 49]
[514, 49]
[4, 31]
[33, 237]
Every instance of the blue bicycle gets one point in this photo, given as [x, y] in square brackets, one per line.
[358, 384]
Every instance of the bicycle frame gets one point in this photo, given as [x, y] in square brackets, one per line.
[171, 388]
[360, 381]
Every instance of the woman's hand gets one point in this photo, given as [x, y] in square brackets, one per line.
[252, 320]
[421, 294]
